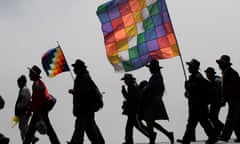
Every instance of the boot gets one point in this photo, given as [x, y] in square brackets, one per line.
[171, 137]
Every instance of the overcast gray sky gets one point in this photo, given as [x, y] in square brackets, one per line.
[205, 30]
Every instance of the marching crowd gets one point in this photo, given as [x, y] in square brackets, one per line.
[142, 102]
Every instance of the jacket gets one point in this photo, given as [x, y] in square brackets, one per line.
[83, 99]
[40, 95]
[231, 85]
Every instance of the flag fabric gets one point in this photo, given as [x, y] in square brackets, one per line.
[136, 31]
[54, 62]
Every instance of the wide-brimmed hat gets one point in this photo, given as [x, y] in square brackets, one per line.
[80, 64]
[210, 70]
[224, 59]
[153, 64]
[128, 76]
[194, 63]
[35, 70]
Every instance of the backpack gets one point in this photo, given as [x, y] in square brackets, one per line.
[50, 103]
[97, 97]
[98, 100]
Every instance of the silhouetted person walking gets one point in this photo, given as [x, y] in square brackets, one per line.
[130, 107]
[217, 101]
[231, 94]
[152, 107]
[39, 108]
[22, 103]
[84, 106]
[198, 107]
[3, 139]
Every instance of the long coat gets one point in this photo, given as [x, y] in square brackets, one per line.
[152, 104]
[231, 85]
[83, 100]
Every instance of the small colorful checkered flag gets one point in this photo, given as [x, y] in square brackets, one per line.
[54, 62]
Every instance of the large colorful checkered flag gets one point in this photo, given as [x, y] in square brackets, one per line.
[136, 31]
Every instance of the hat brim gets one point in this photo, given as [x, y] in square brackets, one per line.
[30, 69]
[149, 66]
[73, 65]
[80, 66]
[222, 62]
[218, 61]
[210, 72]
[124, 78]
[188, 63]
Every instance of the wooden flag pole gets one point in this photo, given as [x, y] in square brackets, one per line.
[180, 55]
[66, 61]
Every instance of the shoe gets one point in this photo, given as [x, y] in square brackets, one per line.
[152, 138]
[211, 141]
[4, 140]
[237, 140]
[35, 140]
[127, 143]
[220, 142]
[183, 141]
[171, 137]
[222, 139]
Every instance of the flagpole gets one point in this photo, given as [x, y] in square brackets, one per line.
[66, 61]
[180, 55]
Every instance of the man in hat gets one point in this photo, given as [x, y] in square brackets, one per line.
[130, 107]
[152, 103]
[131, 94]
[84, 104]
[37, 106]
[231, 94]
[216, 101]
[198, 108]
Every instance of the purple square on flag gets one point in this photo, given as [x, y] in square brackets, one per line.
[160, 30]
[121, 1]
[152, 45]
[107, 27]
[165, 17]
[114, 13]
[145, 59]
